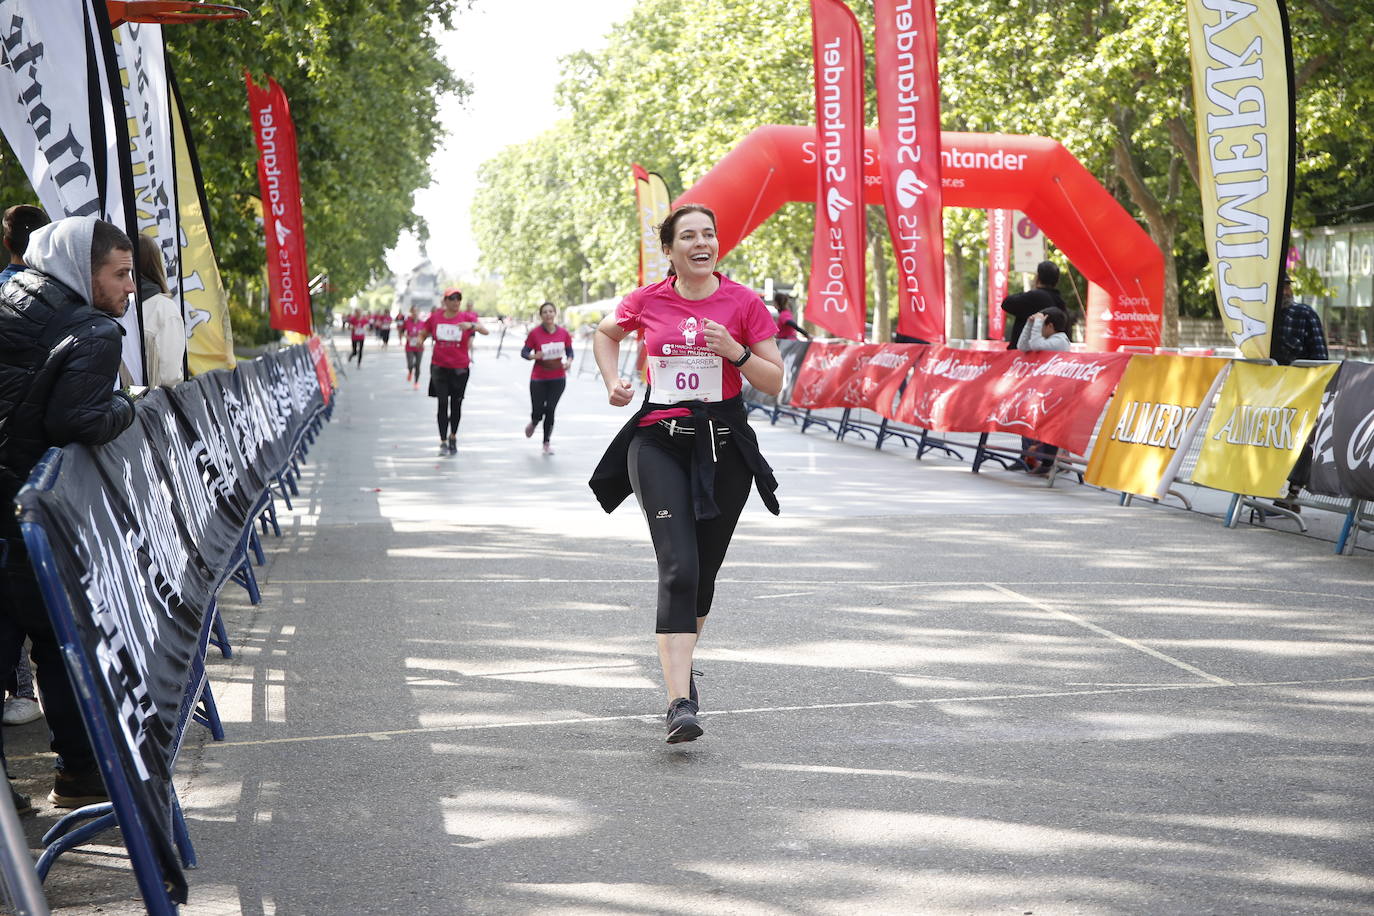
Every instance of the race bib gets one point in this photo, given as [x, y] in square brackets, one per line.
[685, 378]
[448, 332]
[551, 351]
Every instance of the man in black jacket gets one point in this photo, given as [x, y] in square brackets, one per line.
[59, 357]
[1022, 306]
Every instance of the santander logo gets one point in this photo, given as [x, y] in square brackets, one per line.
[909, 188]
[835, 204]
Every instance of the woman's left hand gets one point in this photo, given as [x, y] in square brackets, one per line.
[719, 341]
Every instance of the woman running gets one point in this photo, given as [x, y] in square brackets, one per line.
[357, 323]
[412, 329]
[688, 453]
[452, 330]
[551, 348]
[382, 323]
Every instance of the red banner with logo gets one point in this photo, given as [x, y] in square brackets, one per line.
[859, 375]
[999, 249]
[906, 70]
[322, 369]
[836, 292]
[814, 375]
[1049, 396]
[280, 184]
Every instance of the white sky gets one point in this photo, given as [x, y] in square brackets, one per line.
[508, 51]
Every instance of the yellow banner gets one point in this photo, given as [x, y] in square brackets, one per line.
[1156, 400]
[209, 340]
[652, 202]
[1262, 421]
[1243, 103]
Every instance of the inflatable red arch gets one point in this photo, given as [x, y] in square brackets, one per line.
[776, 164]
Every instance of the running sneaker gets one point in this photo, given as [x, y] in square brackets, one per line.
[682, 721]
[452, 445]
[529, 429]
[443, 447]
[75, 790]
[548, 449]
[21, 711]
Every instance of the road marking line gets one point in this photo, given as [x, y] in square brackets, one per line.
[784, 595]
[658, 717]
[1103, 631]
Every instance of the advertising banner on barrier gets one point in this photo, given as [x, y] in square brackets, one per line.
[813, 378]
[1243, 103]
[279, 181]
[143, 530]
[1156, 401]
[1261, 423]
[1053, 397]
[1343, 450]
[906, 71]
[837, 289]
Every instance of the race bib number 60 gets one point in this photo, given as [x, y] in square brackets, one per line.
[686, 378]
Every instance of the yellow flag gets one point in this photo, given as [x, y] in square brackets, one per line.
[210, 342]
[1156, 400]
[1262, 421]
[1243, 103]
[652, 201]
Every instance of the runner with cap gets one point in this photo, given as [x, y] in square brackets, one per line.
[551, 349]
[452, 330]
[688, 453]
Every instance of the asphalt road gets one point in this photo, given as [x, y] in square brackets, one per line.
[925, 692]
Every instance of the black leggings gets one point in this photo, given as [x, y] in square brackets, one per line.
[544, 395]
[449, 386]
[357, 351]
[689, 551]
[413, 362]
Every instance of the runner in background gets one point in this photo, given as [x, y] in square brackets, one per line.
[788, 329]
[412, 329]
[551, 348]
[688, 453]
[452, 330]
[383, 326]
[357, 324]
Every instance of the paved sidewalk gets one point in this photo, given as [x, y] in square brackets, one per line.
[926, 692]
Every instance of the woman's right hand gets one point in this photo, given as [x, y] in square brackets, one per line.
[620, 393]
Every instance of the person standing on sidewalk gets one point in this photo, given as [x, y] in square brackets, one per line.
[452, 330]
[551, 349]
[60, 349]
[688, 453]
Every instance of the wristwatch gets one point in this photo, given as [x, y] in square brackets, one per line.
[744, 358]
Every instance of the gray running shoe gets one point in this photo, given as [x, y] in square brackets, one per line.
[682, 721]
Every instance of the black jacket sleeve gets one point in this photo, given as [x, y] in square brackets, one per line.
[83, 405]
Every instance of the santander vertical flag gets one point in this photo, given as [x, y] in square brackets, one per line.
[999, 244]
[907, 73]
[279, 179]
[836, 299]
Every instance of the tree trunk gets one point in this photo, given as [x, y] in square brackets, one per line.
[955, 322]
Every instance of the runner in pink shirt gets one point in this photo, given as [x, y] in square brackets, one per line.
[412, 329]
[551, 348]
[452, 330]
[688, 453]
[357, 324]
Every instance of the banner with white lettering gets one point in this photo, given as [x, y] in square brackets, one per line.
[148, 111]
[143, 531]
[1156, 401]
[813, 378]
[1343, 448]
[1261, 423]
[279, 180]
[906, 70]
[1053, 397]
[999, 244]
[837, 289]
[1243, 103]
[62, 111]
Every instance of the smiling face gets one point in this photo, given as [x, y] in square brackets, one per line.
[694, 247]
[548, 312]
